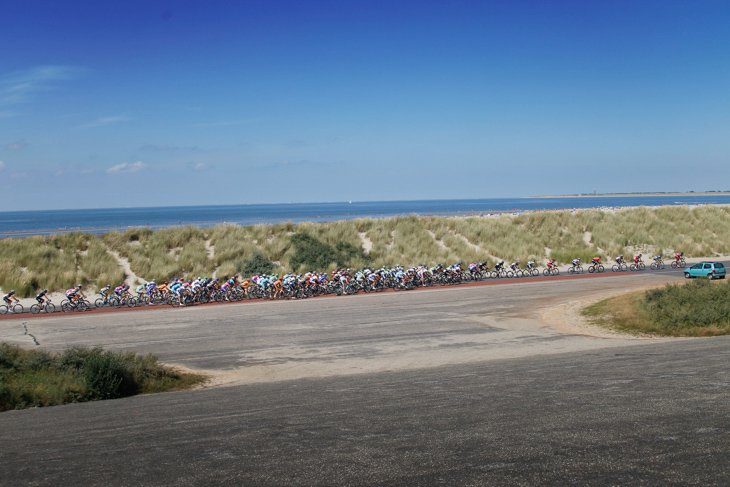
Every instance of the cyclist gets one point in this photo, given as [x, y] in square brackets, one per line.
[104, 291]
[42, 298]
[9, 296]
[551, 264]
[657, 258]
[637, 259]
[162, 288]
[678, 256]
[576, 262]
[620, 260]
[530, 264]
[596, 260]
[119, 291]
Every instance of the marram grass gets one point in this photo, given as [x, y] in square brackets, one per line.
[60, 261]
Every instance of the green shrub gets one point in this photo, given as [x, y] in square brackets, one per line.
[257, 264]
[696, 304]
[697, 308]
[107, 377]
[312, 254]
[35, 377]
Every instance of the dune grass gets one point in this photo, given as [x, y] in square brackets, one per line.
[60, 261]
[34, 378]
[55, 262]
[697, 308]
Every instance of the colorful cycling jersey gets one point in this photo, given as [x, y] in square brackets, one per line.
[119, 290]
[71, 292]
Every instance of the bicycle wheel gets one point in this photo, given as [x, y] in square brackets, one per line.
[3, 310]
[50, 308]
[571, 270]
[35, 309]
[99, 303]
[674, 265]
[591, 269]
[642, 266]
[18, 308]
[65, 306]
[601, 268]
[632, 267]
[653, 266]
[510, 274]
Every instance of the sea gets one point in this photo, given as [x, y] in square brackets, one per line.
[26, 223]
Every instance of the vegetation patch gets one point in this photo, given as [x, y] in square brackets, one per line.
[698, 308]
[257, 264]
[312, 254]
[34, 378]
[58, 262]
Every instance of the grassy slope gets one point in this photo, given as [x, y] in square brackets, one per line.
[697, 308]
[60, 261]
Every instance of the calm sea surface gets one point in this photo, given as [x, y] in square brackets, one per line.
[22, 223]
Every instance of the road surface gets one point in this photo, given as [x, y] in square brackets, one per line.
[454, 386]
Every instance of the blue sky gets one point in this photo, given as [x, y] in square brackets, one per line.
[106, 104]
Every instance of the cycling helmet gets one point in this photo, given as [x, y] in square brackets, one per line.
[78, 286]
[12, 291]
[45, 290]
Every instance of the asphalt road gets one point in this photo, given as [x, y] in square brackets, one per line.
[456, 386]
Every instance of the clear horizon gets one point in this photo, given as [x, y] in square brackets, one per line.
[146, 104]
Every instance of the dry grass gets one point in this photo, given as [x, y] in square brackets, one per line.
[58, 262]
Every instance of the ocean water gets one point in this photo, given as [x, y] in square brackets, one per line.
[24, 223]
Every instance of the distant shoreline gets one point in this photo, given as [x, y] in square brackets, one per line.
[624, 195]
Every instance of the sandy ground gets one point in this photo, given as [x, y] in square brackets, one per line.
[567, 318]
